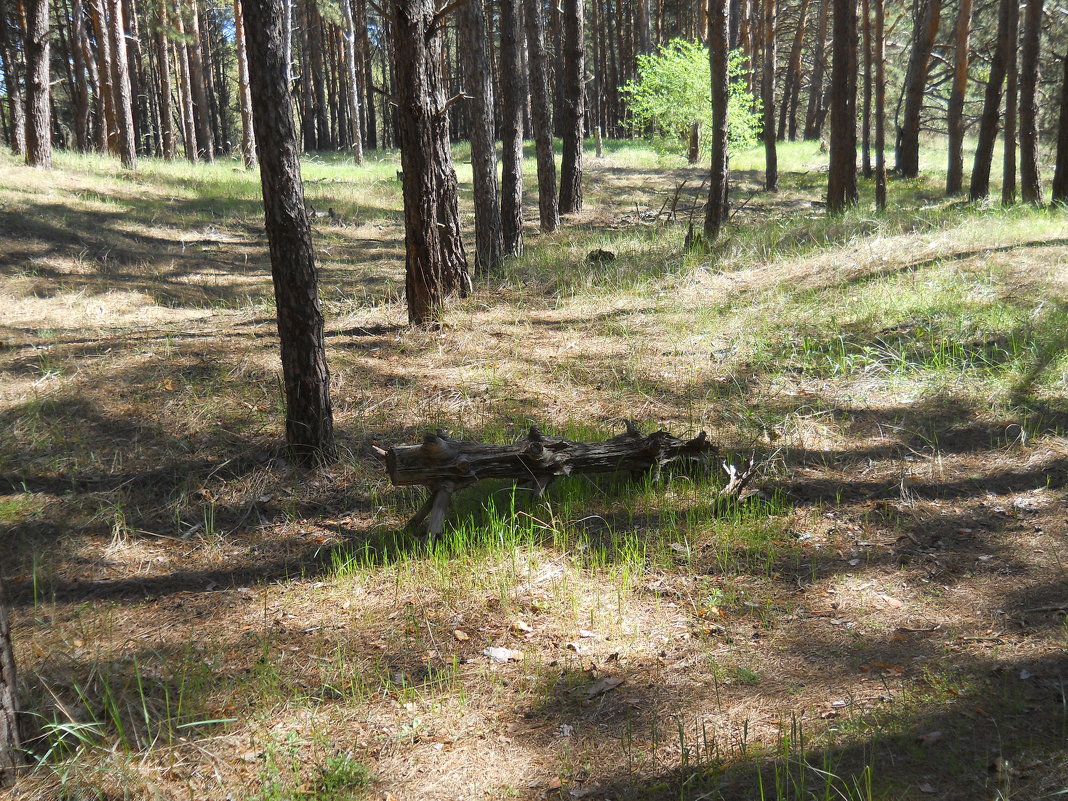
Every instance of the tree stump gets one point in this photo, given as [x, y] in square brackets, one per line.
[445, 465]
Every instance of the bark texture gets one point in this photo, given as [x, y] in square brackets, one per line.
[1030, 183]
[908, 132]
[513, 96]
[1060, 174]
[988, 123]
[540, 118]
[309, 417]
[120, 83]
[718, 31]
[955, 112]
[244, 91]
[842, 176]
[11, 757]
[767, 92]
[38, 107]
[879, 59]
[574, 107]
[436, 264]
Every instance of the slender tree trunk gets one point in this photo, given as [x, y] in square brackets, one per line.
[771, 156]
[792, 85]
[513, 95]
[352, 95]
[15, 100]
[120, 82]
[1012, 99]
[719, 52]
[244, 92]
[81, 85]
[988, 123]
[842, 177]
[955, 111]
[99, 18]
[166, 112]
[287, 43]
[11, 756]
[436, 265]
[574, 112]
[189, 133]
[819, 61]
[865, 127]
[198, 80]
[1060, 175]
[1030, 183]
[908, 133]
[38, 109]
[548, 211]
[880, 106]
[489, 243]
[309, 418]
[368, 75]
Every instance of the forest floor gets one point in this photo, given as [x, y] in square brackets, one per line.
[194, 618]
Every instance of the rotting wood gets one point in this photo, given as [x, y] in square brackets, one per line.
[445, 465]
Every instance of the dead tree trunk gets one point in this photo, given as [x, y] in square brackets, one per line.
[489, 243]
[445, 465]
[541, 122]
[719, 55]
[955, 112]
[309, 417]
[11, 757]
[908, 132]
[38, 109]
[1030, 184]
[436, 264]
[574, 107]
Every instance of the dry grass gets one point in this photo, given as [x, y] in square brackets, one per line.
[196, 619]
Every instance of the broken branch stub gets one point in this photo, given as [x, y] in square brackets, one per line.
[444, 464]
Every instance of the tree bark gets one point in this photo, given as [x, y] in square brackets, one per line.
[244, 93]
[574, 110]
[819, 61]
[198, 81]
[38, 110]
[955, 112]
[512, 96]
[865, 125]
[185, 82]
[879, 58]
[352, 95]
[1060, 175]
[309, 418]
[1012, 100]
[120, 82]
[1030, 183]
[842, 176]
[15, 101]
[436, 265]
[11, 756]
[767, 91]
[719, 55]
[541, 122]
[792, 85]
[489, 243]
[81, 85]
[988, 123]
[908, 133]
[166, 112]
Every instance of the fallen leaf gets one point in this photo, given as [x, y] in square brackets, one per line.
[461, 635]
[601, 686]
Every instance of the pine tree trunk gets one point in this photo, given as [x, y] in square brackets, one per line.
[879, 57]
[15, 100]
[244, 93]
[865, 125]
[1060, 175]
[436, 265]
[908, 133]
[1030, 183]
[541, 122]
[574, 112]
[955, 111]
[38, 109]
[513, 94]
[1012, 99]
[767, 91]
[198, 80]
[842, 177]
[309, 418]
[792, 84]
[352, 94]
[185, 80]
[81, 85]
[11, 756]
[718, 32]
[166, 112]
[819, 61]
[489, 244]
[988, 123]
[370, 118]
[120, 82]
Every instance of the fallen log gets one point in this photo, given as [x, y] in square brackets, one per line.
[445, 465]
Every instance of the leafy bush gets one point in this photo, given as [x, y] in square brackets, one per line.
[674, 91]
